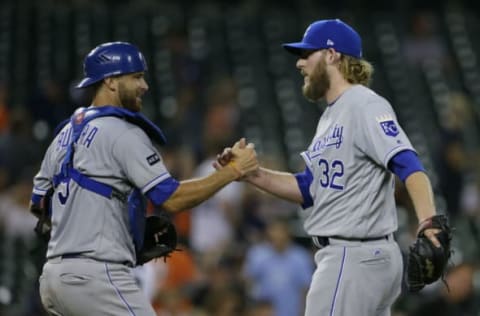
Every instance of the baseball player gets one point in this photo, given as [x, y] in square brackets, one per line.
[347, 187]
[103, 154]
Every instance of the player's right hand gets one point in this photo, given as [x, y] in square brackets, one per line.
[242, 157]
[227, 155]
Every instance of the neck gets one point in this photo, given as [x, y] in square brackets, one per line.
[102, 98]
[338, 85]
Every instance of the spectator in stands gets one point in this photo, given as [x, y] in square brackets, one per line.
[279, 271]
[222, 292]
[14, 209]
[18, 149]
[173, 283]
[423, 41]
[454, 161]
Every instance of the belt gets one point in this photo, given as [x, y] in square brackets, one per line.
[83, 256]
[323, 241]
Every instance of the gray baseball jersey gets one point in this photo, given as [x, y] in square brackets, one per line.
[112, 151]
[352, 189]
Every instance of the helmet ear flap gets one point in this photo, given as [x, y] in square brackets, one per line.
[111, 59]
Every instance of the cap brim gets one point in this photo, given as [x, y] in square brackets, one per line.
[298, 48]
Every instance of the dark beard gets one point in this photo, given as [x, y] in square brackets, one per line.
[128, 99]
[318, 84]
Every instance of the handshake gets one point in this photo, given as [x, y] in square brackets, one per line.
[242, 158]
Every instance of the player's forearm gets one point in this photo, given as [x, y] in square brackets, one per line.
[420, 191]
[190, 193]
[281, 184]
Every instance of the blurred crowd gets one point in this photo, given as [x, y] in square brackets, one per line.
[242, 252]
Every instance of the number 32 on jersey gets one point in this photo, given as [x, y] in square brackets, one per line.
[331, 174]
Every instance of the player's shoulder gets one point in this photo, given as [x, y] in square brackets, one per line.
[366, 95]
[369, 100]
[116, 128]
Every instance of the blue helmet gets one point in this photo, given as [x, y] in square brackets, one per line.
[111, 59]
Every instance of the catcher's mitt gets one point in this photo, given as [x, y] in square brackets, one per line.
[427, 263]
[160, 239]
[42, 211]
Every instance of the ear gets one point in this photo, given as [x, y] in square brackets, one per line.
[111, 83]
[332, 56]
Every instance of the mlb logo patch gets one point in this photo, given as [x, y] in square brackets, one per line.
[389, 128]
[153, 159]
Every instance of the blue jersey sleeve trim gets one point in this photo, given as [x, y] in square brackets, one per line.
[36, 198]
[304, 180]
[404, 163]
[39, 191]
[162, 191]
[152, 183]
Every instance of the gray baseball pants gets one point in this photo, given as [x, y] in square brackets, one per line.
[81, 286]
[355, 278]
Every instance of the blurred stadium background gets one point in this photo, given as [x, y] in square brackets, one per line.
[217, 72]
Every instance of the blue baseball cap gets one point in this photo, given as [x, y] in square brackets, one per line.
[323, 34]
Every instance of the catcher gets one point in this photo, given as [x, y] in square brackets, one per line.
[91, 186]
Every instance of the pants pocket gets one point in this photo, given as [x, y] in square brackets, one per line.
[376, 257]
[74, 278]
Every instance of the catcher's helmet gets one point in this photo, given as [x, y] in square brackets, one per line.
[111, 59]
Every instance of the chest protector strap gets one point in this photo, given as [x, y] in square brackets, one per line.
[78, 121]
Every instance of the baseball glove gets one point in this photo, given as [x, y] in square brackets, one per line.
[42, 212]
[160, 239]
[427, 263]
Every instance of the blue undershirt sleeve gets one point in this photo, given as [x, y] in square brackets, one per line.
[304, 180]
[404, 163]
[162, 191]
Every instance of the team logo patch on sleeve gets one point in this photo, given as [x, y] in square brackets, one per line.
[388, 125]
[153, 159]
